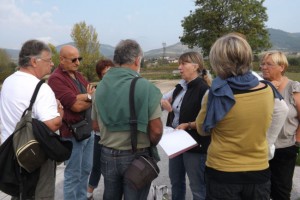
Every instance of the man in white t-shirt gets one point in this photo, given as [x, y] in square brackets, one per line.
[34, 63]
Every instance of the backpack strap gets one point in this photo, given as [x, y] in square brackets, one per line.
[33, 98]
[133, 118]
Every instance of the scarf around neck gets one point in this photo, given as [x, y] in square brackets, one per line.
[221, 98]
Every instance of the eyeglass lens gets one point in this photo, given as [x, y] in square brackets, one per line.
[75, 59]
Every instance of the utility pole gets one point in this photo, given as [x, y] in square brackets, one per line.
[164, 51]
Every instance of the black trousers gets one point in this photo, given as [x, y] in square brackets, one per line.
[282, 171]
[226, 191]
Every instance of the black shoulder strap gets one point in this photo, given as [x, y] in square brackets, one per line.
[33, 98]
[133, 118]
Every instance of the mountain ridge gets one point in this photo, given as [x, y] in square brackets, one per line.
[281, 40]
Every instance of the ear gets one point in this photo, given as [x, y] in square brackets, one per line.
[33, 62]
[281, 68]
[137, 61]
[61, 58]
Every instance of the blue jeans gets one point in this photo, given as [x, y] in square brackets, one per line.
[78, 168]
[96, 170]
[192, 164]
[114, 164]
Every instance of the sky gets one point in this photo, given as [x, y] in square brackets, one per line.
[149, 22]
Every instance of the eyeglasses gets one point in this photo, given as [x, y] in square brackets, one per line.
[267, 65]
[46, 60]
[73, 60]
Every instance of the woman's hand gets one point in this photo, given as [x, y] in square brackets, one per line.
[166, 105]
[183, 126]
[187, 126]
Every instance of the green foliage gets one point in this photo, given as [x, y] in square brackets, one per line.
[55, 54]
[294, 61]
[215, 18]
[7, 67]
[86, 40]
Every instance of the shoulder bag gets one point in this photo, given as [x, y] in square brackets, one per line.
[82, 129]
[143, 169]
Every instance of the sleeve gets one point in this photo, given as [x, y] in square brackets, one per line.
[295, 88]
[168, 95]
[62, 91]
[94, 108]
[156, 114]
[278, 118]
[45, 106]
[201, 116]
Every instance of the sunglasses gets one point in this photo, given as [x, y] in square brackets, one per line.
[73, 60]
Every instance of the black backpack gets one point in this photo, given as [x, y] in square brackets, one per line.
[14, 180]
[54, 147]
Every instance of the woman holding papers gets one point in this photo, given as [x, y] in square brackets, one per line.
[236, 112]
[184, 103]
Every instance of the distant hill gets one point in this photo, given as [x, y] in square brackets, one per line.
[13, 53]
[172, 51]
[281, 40]
[284, 41]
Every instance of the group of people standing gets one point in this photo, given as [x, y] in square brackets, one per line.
[247, 129]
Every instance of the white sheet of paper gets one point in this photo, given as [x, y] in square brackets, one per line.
[176, 142]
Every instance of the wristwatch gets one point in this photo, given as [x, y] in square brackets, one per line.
[89, 97]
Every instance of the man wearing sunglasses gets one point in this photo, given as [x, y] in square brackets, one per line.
[74, 93]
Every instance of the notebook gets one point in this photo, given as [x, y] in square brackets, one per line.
[175, 142]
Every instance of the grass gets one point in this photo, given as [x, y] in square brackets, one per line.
[293, 76]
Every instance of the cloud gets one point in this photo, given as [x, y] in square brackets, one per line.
[20, 26]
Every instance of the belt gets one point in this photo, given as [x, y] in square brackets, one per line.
[111, 150]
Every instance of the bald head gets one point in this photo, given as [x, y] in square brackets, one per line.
[69, 58]
[66, 50]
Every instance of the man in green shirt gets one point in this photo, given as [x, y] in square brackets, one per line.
[111, 112]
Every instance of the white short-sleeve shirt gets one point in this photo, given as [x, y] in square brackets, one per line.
[15, 97]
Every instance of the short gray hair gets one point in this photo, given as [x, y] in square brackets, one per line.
[31, 48]
[127, 51]
[231, 55]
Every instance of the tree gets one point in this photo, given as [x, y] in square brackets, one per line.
[216, 18]
[55, 54]
[86, 40]
[7, 67]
